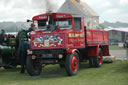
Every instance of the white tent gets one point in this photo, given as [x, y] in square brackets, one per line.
[121, 29]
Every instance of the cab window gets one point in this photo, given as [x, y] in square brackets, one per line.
[77, 23]
[64, 23]
[41, 24]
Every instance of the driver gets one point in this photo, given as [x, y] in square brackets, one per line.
[3, 37]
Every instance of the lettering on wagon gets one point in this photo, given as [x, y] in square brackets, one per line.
[76, 35]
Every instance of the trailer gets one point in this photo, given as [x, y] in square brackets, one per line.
[61, 38]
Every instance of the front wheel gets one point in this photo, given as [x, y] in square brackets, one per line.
[72, 64]
[33, 66]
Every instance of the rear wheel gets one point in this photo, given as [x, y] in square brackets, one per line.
[90, 61]
[72, 64]
[33, 66]
[98, 60]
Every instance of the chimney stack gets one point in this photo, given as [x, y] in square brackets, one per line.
[78, 1]
[74, 0]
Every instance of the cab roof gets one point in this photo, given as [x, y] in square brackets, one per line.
[55, 16]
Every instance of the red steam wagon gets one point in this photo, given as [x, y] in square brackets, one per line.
[60, 38]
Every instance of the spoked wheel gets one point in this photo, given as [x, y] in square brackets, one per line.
[98, 60]
[33, 66]
[72, 64]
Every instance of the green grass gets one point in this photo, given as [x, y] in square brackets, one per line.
[109, 74]
[115, 47]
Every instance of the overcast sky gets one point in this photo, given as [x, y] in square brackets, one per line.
[20, 10]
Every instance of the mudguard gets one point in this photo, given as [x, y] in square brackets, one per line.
[72, 51]
[93, 51]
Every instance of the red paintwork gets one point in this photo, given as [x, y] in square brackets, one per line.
[93, 50]
[10, 36]
[74, 63]
[72, 51]
[105, 50]
[61, 16]
[40, 17]
[55, 16]
[46, 41]
[97, 37]
[71, 39]
[69, 42]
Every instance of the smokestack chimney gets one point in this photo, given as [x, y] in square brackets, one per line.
[74, 0]
[78, 1]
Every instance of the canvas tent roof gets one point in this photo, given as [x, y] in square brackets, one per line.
[117, 29]
[77, 8]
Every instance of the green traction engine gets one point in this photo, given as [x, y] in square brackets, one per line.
[9, 55]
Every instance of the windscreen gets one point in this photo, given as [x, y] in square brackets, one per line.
[41, 24]
[51, 24]
[64, 23]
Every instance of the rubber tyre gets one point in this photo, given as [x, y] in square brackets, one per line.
[90, 61]
[31, 69]
[72, 64]
[98, 60]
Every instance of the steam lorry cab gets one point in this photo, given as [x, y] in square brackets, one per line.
[60, 38]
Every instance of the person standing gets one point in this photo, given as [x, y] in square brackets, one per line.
[126, 42]
[3, 37]
[22, 51]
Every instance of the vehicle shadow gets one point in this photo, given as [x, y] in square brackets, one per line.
[48, 72]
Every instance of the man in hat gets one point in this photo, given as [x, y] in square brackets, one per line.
[126, 42]
[22, 51]
[3, 37]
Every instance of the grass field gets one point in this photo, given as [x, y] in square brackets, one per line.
[115, 47]
[109, 74]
